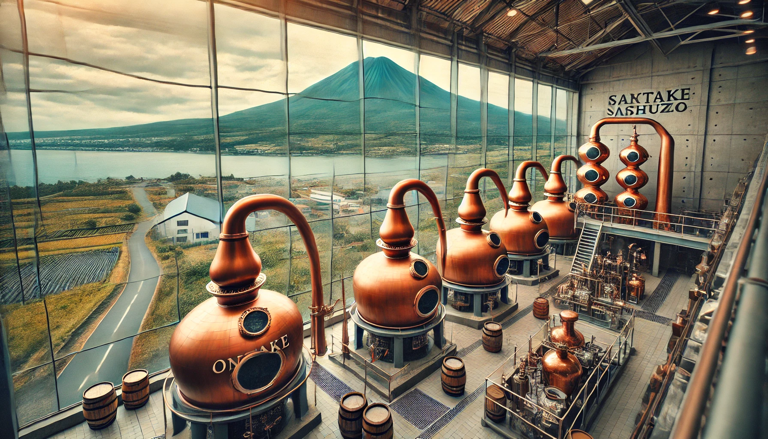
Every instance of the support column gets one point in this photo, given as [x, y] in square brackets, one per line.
[358, 336]
[656, 257]
[444, 296]
[439, 335]
[477, 304]
[398, 342]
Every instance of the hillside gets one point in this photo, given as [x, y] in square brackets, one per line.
[323, 117]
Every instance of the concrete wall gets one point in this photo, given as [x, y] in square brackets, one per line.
[718, 136]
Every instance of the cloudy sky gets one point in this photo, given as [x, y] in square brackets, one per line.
[167, 41]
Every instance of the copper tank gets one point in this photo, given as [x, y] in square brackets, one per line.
[558, 214]
[636, 286]
[397, 288]
[666, 158]
[632, 178]
[561, 369]
[566, 333]
[522, 232]
[244, 344]
[592, 175]
[475, 257]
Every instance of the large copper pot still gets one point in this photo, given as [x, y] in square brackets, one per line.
[475, 257]
[522, 232]
[567, 334]
[666, 158]
[397, 288]
[558, 214]
[632, 178]
[561, 369]
[244, 344]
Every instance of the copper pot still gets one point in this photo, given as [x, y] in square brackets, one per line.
[561, 369]
[397, 288]
[522, 232]
[244, 344]
[558, 213]
[475, 257]
[592, 174]
[636, 287]
[666, 158]
[566, 333]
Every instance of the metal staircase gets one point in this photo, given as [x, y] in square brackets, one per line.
[585, 250]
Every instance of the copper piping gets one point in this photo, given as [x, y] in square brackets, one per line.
[396, 230]
[555, 186]
[471, 208]
[520, 194]
[688, 424]
[666, 157]
[236, 264]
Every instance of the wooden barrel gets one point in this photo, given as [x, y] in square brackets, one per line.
[454, 376]
[100, 405]
[492, 336]
[351, 409]
[135, 389]
[579, 434]
[495, 412]
[377, 422]
[541, 308]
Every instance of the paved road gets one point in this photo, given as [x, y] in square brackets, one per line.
[109, 363]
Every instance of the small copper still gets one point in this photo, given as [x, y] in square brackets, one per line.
[475, 257]
[632, 178]
[244, 344]
[561, 369]
[522, 232]
[592, 174]
[567, 334]
[558, 214]
[397, 288]
[666, 157]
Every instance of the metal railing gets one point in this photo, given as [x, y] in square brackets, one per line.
[744, 416]
[617, 347]
[685, 225]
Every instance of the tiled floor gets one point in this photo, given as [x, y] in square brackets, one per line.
[460, 417]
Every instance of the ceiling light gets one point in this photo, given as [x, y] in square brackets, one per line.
[750, 41]
[751, 50]
[746, 14]
[586, 2]
[511, 12]
[743, 2]
[749, 31]
[714, 10]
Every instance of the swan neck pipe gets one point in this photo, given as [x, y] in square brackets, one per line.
[234, 227]
[666, 156]
[472, 208]
[397, 201]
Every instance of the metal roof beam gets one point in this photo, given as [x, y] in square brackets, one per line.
[656, 36]
[638, 22]
[533, 17]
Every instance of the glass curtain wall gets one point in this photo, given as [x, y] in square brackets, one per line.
[119, 155]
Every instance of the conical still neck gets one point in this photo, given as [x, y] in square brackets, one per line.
[555, 188]
[396, 232]
[562, 352]
[520, 195]
[471, 210]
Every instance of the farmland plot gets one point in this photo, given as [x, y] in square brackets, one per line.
[58, 273]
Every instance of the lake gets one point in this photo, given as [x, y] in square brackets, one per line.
[55, 165]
